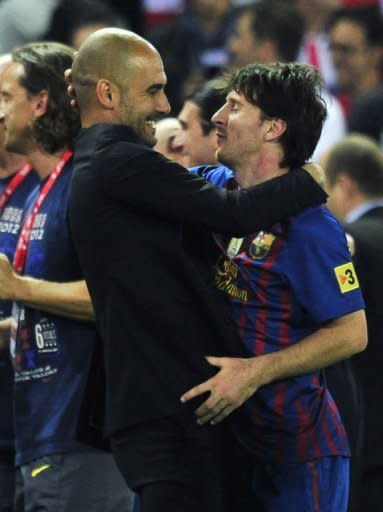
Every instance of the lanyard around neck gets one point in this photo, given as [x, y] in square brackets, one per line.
[20, 257]
[13, 185]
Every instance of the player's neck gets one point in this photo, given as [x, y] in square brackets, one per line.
[43, 163]
[263, 167]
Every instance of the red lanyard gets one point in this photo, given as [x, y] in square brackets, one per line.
[15, 182]
[20, 257]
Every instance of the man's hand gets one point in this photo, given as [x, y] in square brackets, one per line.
[8, 278]
[236, 381]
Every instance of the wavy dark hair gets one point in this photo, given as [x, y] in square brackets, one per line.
[44, 64]
[209, 98]
[288, 91]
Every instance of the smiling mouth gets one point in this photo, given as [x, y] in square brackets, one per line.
[151, 123]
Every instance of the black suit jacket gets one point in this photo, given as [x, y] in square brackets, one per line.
[157, 311]
[368, 234]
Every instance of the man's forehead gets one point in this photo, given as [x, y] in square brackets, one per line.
[234, 96]
[12, 73]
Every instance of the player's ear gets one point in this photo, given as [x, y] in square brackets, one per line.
[40, 101]
[108, 94]
[275, 128]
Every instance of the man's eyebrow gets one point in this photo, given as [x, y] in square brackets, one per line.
[155, 87]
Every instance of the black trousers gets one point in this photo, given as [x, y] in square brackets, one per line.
[176, 465]
[7, 481]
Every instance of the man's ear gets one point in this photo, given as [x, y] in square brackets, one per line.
[276, 127]
[41, 102]
[108, 95]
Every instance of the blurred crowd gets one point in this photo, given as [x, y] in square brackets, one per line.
[199, 40]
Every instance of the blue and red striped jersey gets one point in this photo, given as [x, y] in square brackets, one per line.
[284, 284]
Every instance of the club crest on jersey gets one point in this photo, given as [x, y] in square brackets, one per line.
[261, 245]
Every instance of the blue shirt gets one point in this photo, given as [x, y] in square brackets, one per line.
[283, 285]
[51, 353]
[10, 223]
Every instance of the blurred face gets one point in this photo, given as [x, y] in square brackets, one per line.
[337, 200]
[243, 45]
[17, 109]
[309, 7]
[142, 99]
[211, 8]
[350, 53]
[168, 142]
[240, 132]
[3, 66]
[81, 33]
[198, 147]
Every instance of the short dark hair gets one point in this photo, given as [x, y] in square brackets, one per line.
[281, 22]
[368, 18]
[209, 98]
[361, 159]
[44, 65]
[288, 91]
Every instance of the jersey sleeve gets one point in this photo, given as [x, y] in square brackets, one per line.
[216, 175]
[319, 267]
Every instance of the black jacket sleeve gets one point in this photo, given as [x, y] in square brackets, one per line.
[164, 188]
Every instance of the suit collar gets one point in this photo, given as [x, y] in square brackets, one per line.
[364, 209]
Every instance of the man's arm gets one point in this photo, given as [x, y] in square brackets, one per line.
[238, 378]
[70, 299]
[152, 183]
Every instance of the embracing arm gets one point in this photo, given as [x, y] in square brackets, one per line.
[164, 188]
[238, 378]
[69, 299]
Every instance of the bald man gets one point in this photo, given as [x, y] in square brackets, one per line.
[133, 216]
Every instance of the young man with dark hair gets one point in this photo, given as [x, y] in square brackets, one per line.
[267, 31]
[52, 325]
[295, 300]
[198, 133]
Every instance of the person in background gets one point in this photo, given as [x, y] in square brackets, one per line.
[314, 49]
[198, 135]
[354, 171]
[356, 46]
[74, 20]
[168, 144]
[193, 46]
[271, 31]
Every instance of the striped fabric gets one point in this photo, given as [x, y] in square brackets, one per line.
[282, 287]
